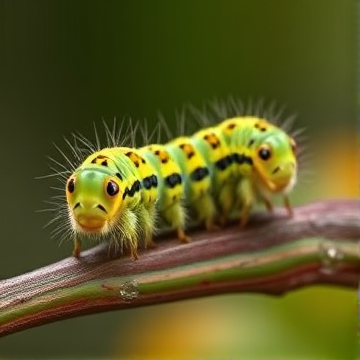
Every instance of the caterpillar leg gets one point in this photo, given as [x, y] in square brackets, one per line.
[146, 224]
[131, 231]
[247, 195]
[150, 243]
[225, 201]
[205, 209]
[211, 226]
[182, 236]
[77, 247]
[175, 216]
[288, 206]
[134, 254]
[244, 215]
[268, 204]
[150, 230]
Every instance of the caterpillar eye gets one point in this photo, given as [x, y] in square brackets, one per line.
[264, 153]
[71, 185]
[112, 188]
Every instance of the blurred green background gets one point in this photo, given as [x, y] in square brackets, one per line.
[67, 64]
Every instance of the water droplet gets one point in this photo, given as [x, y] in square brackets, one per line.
[330, 256]
[129, 290]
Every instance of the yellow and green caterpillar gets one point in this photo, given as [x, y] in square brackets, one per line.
[119, 194]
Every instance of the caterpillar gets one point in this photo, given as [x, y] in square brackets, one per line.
[120, 193]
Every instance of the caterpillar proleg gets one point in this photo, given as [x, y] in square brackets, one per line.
[120, 193]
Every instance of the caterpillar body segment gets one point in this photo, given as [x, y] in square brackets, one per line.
[148, 191]
[211, 144]
[119, 194]
[196, 177]
[169, 203]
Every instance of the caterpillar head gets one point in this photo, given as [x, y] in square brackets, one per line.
[275, 162]
[94, 196]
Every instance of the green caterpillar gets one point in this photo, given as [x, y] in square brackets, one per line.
[118, 194]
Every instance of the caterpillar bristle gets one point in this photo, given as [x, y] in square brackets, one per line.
[73, 149]
[110, 134]
[85, 147]
[288, 123]
[71, 165]
[58, 189]
[216, 110]
[164, 126]
[180, 120]
[219, 108]
[52, 175]
[114, 134]
[250, 108]
[277, 115]
[236, 105]
[121, 192]
[199, 115]
[147, 136]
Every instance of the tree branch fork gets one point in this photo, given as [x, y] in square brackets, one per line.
[274, 254]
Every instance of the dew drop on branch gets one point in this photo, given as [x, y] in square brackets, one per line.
[129, 290]
[330, 255]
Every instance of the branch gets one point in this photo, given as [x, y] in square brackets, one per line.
[273, 255]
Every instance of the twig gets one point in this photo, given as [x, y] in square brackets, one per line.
[273, 255]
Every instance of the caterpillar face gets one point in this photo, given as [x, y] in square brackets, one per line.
[93, 198]
[275, 163]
